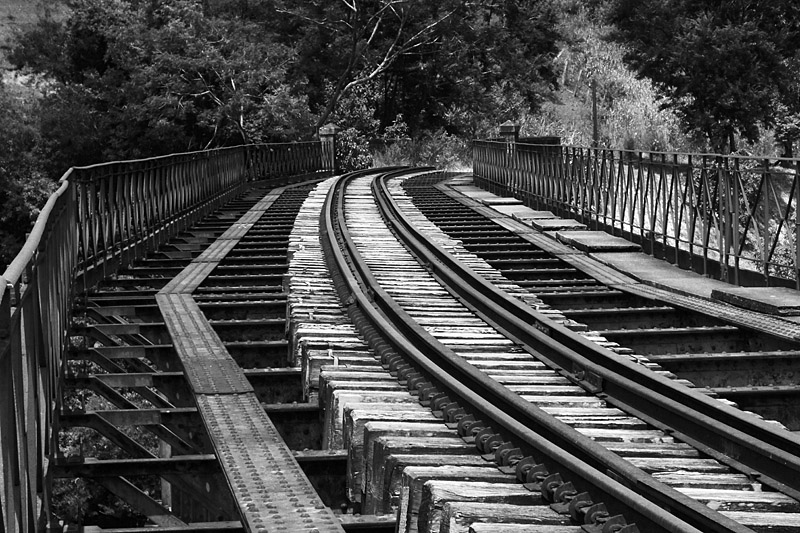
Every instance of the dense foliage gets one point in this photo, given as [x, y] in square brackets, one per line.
[122, 79]
[591, 67]
[410, 80]
[729, 68]
[23, 186]
[118, 79]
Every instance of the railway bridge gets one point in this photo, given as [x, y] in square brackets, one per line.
[563, 340]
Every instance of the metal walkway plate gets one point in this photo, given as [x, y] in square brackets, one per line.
[781, 301]
[209, 367]
[272, 498]
[272, 492]
[596, 241]
[190, 278]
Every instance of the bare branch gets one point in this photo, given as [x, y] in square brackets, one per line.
[324, 23]
[395, 51]
[363, 36]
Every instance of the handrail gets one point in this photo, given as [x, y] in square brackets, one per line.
[16, 268]
[101, 217]
[731, 217]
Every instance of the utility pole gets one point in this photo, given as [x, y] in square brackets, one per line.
[595, 128]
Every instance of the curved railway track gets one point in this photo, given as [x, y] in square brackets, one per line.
[455, 395]
[548, 409]
[737, 356]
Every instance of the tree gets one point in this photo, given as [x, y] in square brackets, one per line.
[136, 78]
[148, 78]
[361, 40]
[628, 108]
[446, 64]
[724, 65]
[23, 186]
[495, 64]
[787, 123]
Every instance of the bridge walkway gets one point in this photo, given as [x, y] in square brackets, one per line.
[268, 485]
[211, 305]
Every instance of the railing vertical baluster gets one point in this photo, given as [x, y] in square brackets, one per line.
[677, 207]
[19, 466]
[8, 428]
[664, 207]
[796, 255]
[736, 193]
[765, 231]
[723, 210]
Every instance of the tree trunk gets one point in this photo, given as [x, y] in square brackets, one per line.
[788, 149]
[337, 93]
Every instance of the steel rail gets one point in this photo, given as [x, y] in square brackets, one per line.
[773, 452]
[713, 427]
[389, 328]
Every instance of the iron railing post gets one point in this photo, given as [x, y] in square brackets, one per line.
[327, 135]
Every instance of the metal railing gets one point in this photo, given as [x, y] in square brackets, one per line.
[730, 217]
[101, 217]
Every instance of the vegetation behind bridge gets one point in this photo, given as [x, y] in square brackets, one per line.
[411, 80]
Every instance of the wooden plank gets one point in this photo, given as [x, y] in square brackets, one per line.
[360, 448]
[457, 517]
[373, 498]
[327, 396]
[314, 360]
[382, 478]
[414, 477]
[735, 500]
[342, 400]
[436, 493]
[521, 528]
[772, 522]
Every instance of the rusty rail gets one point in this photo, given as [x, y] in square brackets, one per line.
[730, 217]
[101, 217]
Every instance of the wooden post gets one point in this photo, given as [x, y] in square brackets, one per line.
[595, 126]
[509, 131]
[327, 135]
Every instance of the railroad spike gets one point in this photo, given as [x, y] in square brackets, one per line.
[579, 506]
[498, 452]
[439, 402]
[549, 486]
[509, 456]
[563, 496]
[485, 437]
[464, 424]
[453, 413]
[523, 467]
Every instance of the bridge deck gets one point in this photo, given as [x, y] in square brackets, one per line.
[203, 315]
[268, 484]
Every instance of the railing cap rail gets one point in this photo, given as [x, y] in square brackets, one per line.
[3, 286]
[195, 152]
[16, 268]
[791, 160]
